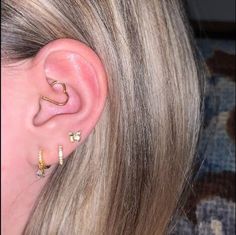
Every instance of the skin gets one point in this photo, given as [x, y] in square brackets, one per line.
[30, 123]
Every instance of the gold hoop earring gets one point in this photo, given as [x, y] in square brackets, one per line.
[64, 91]
[60, 154]
[41, 165]
[74, 136]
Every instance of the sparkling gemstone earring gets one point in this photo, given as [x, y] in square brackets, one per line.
[60, 154]
[75, 136]
[41, 165]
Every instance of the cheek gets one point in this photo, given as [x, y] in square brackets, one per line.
[14, 103]
[12, 129]
[9, 125]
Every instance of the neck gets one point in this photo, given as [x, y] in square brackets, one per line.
[18, 196]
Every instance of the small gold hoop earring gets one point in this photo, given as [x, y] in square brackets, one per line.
[74, 136]
[60, 154]
[41, 165]
[64, 91]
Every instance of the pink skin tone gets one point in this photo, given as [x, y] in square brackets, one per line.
[30, 123]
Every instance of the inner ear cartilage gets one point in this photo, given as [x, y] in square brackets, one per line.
[55, 82]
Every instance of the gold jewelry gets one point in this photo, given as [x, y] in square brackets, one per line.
[60, 154]
[75, 136]
[64, 91]
[41, 164]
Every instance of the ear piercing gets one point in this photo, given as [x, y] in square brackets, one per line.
[74, 136]
[60, 154]
[41, 165]
[64, 91]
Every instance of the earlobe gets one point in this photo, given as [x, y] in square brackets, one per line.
[72, 93]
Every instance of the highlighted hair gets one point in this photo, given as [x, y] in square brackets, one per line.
[128, 177]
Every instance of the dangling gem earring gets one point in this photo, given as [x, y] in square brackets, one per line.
[41, 165]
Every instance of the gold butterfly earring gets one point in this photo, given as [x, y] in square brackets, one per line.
[75, 136]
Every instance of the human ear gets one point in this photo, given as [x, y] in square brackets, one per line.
[71, 88]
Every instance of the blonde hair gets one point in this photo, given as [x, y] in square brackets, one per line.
[128, 177]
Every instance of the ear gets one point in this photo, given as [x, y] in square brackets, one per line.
[72, 78]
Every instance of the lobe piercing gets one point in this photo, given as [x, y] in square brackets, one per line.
[60, 154]
[41, 165]
[75, 136]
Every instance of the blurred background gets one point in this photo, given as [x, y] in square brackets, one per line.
[210, 207]
[212, 18]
